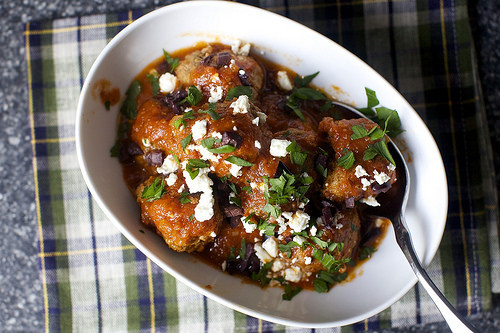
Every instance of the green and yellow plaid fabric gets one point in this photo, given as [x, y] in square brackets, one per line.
[95, 280]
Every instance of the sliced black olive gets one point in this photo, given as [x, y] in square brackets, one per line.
[232, 138]
[154, 158]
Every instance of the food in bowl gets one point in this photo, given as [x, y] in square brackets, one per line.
[243, 163]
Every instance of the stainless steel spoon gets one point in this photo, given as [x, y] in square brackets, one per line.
[396, 200]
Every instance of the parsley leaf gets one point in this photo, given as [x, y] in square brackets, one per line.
[238, 161]
[194, 96]
[129, 107]
[172, 62]
[155, 84]
[366, 252]
[211, 111]
[378, 148]
[154, 191]
[243, 249]
[193, 166]
[238, 91]
[372, 101]
[358, 132]
[290, 292]
[297, 156]
[347, 160]
[182, 120]
[185, 142]
[261, 276]
[304, 81]
[222, 150]
[184, 198]
[390, 119]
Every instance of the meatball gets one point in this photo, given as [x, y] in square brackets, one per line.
[174, 219]
[215, 70]
[364, 179]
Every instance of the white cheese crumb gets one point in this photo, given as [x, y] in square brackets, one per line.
[253, 185]
[255, 121]
[235, 128]
[205, 153]
[216, 135]
[293, 274]
[167, 82]
[169, 165]
[360, 171]
[262, 254]
[257, 144]
[370, 201]
[241, 72]
[241, 105]
[181, 188]
[171, 179]
[213, 234]
[249, 227]
[299, 221]
[299, 239]
[391, 167]
[365, 182]
[188, 110]
[199, 129]
[234, 170]
[278, 147]
[216, 93]
[240, 48]
[262, 116]
[277, 265]
[271, 246]
[284, 81]
[381, 177]
[307, 260]
[313, 231]
[204, 210]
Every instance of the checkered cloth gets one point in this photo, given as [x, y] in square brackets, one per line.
[95, 280]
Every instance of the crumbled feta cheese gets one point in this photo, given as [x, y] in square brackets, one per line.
[366, 183]
[262, 116]
[293, 274]
[201, 183]
[257, 144]
[249, 227]
[262, 254]
[287, 215]
[234, 170]
[271, 246]
[171, 179]
[278, 147]
[241, 72]
[235, 128]
[146, 143]
[255, 121]
[204, 152]
[313, 231]
[240, 48]
[277, 265]
[216, 93]
[253, 185]
[213, 234]
[181, 188]
[188, 110]
[241, 105]
[167, 82]
[381, 177]
[360, 171]
[299, 239]
[204, 210]
[339, 226]
[391, 167]
[199, 129]
[284, 81]
[370, 201]
[169, 165]
[231, 195]
[307, 260]
[216, 135]
[299, 221]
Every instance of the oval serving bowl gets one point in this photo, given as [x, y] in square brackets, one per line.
[385, 277]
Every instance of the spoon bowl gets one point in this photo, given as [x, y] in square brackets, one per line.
[392, 207]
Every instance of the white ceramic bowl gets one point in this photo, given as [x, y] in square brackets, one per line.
[383, 279]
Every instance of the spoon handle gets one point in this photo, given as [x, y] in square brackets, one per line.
[455, 321]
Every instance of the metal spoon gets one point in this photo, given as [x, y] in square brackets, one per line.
[396, 200]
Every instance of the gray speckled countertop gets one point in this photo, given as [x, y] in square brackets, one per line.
[21, 307]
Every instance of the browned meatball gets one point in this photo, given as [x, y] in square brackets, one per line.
[365, 178]
[214, 68]
[175, 221]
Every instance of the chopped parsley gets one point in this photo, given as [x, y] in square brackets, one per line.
[378, 148]
[172, 62]
[182, 120]
[155, 84]
[194, 165]
[129, 107]
[290, 292]
[211, 111]
[184, 198]
[385, 117]
[194, 96]
[261, 276]
[185, 142]
[347, 160]
[238, 161]
[366, 252]
[301, 93]
[238, 91]
[154, 191]
[297, 156]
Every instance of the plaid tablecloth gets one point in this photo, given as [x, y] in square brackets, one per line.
[95, 280]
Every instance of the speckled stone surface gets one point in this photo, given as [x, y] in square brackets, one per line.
[21, 301]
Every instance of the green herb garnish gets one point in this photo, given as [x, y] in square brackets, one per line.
[154, 191]
[129, 107]
[366, 252]
[194, 165]
[211, 111]
[238, 91]
[261, 276]
[378, 148]
[243, 248]
[347, 160]
[290, 292]
[184, 198]
[238, 161]
[155, 84]
[297, 156]
[185, 142]
[172, 62]
[194, 96]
